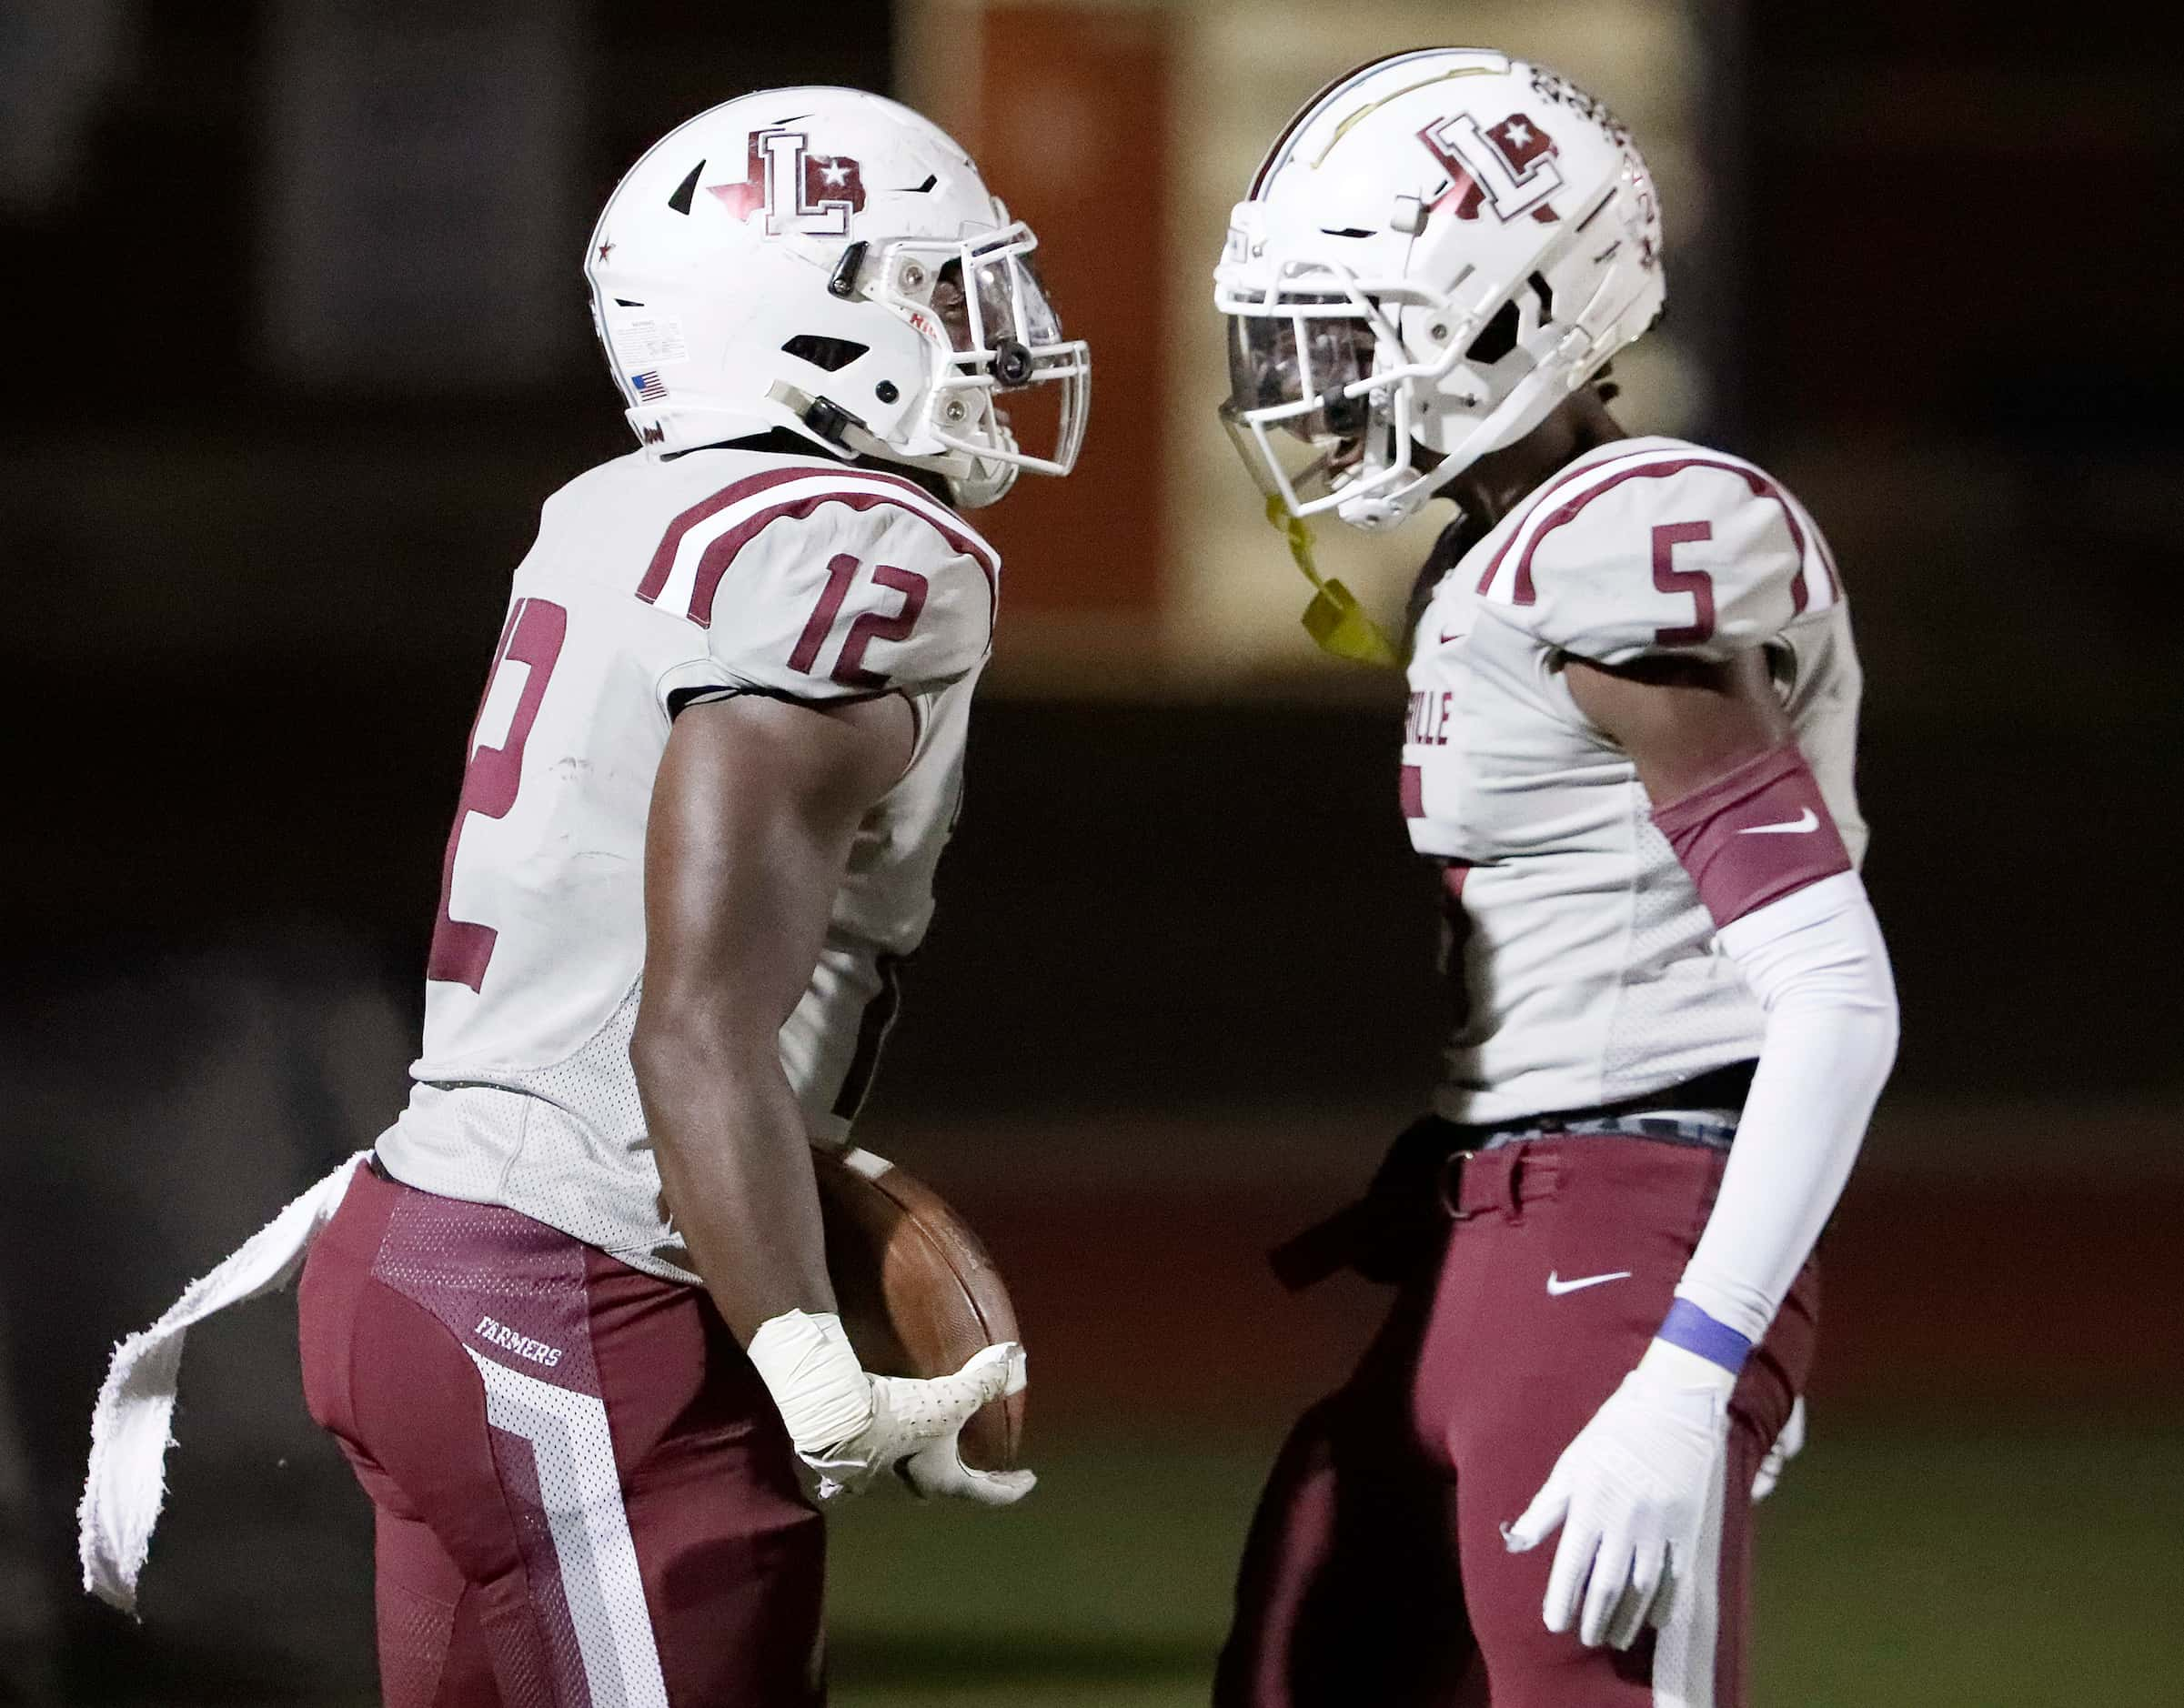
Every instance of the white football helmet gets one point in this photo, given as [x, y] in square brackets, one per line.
[826, 261]
[1442, 246]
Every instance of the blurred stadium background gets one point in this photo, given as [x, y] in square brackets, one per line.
[300, 347]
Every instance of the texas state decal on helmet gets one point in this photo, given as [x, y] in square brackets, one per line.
[1508, 168]
[813, 195]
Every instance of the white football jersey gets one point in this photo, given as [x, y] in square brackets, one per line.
[655, 585]
[1578, 951]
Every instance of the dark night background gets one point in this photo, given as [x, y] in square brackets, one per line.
[248, 616]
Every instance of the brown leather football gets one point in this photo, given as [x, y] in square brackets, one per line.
[917, 1291]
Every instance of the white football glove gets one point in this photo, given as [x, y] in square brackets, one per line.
[850, 1427]
[1631, 1495]
[1787, 1446]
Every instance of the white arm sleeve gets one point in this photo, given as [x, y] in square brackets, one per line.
[1817, 963]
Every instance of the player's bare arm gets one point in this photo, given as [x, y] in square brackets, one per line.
[753, 812]
[754, 809]
[1683, 721]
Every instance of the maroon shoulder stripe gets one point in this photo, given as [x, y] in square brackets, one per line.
[663, 555]
[735, 492]
[1827, 561]
[720, 553]
[1517, 533]
[1522, 591]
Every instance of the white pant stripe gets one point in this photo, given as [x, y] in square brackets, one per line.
[593, 1548]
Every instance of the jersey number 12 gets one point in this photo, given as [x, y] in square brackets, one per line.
[533, 637]
[870, 626]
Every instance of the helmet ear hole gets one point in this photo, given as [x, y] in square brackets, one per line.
[1497, 337]
[831, 354]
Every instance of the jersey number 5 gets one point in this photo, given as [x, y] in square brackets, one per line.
[1697, 583]
[849, 664]
[533, 637]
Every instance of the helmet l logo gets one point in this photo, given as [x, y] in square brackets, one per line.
[1509, 166]
[810, 194]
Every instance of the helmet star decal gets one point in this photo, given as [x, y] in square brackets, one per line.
[809, 195]
[1509, 167]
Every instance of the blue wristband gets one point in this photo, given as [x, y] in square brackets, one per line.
[1687, 1326]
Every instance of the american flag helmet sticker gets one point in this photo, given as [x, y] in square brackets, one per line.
[648, 386]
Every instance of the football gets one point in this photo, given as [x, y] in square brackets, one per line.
[917, 1291]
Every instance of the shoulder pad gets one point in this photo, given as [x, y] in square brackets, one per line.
[1676, 551]
[826, 584]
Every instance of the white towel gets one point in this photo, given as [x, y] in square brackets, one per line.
[129, 1438]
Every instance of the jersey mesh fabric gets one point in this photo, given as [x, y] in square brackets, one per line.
[583, 1155]
[567, 1144]
[414, 1634]
[1650, 1019]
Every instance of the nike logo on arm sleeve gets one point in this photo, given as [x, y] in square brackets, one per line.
[1804, 822]
[1733, 876]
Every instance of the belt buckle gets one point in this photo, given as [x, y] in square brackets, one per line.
[1452, 1186]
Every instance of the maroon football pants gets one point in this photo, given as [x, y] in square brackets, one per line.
[583, 1494]
[1375, 1571]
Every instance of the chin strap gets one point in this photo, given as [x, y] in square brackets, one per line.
[985, 483]
[829, 420]
[1334, 619]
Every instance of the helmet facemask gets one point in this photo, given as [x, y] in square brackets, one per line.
[1456, 373]
[1319, 405]
[1299, 397]
[991, 333]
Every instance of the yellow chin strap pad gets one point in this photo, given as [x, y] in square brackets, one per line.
[1334, 618]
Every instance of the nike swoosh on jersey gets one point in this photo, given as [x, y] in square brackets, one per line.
[1557, 1287]
[1804, 821]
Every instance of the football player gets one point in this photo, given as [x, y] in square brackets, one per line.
[1634, 702]
[571, 1321]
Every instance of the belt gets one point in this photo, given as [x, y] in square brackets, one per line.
[1702, 1110]
[1709, 1129]
[1441, 1170]
[1479, 1182]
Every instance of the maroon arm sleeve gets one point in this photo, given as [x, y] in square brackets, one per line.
[1754, 834]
